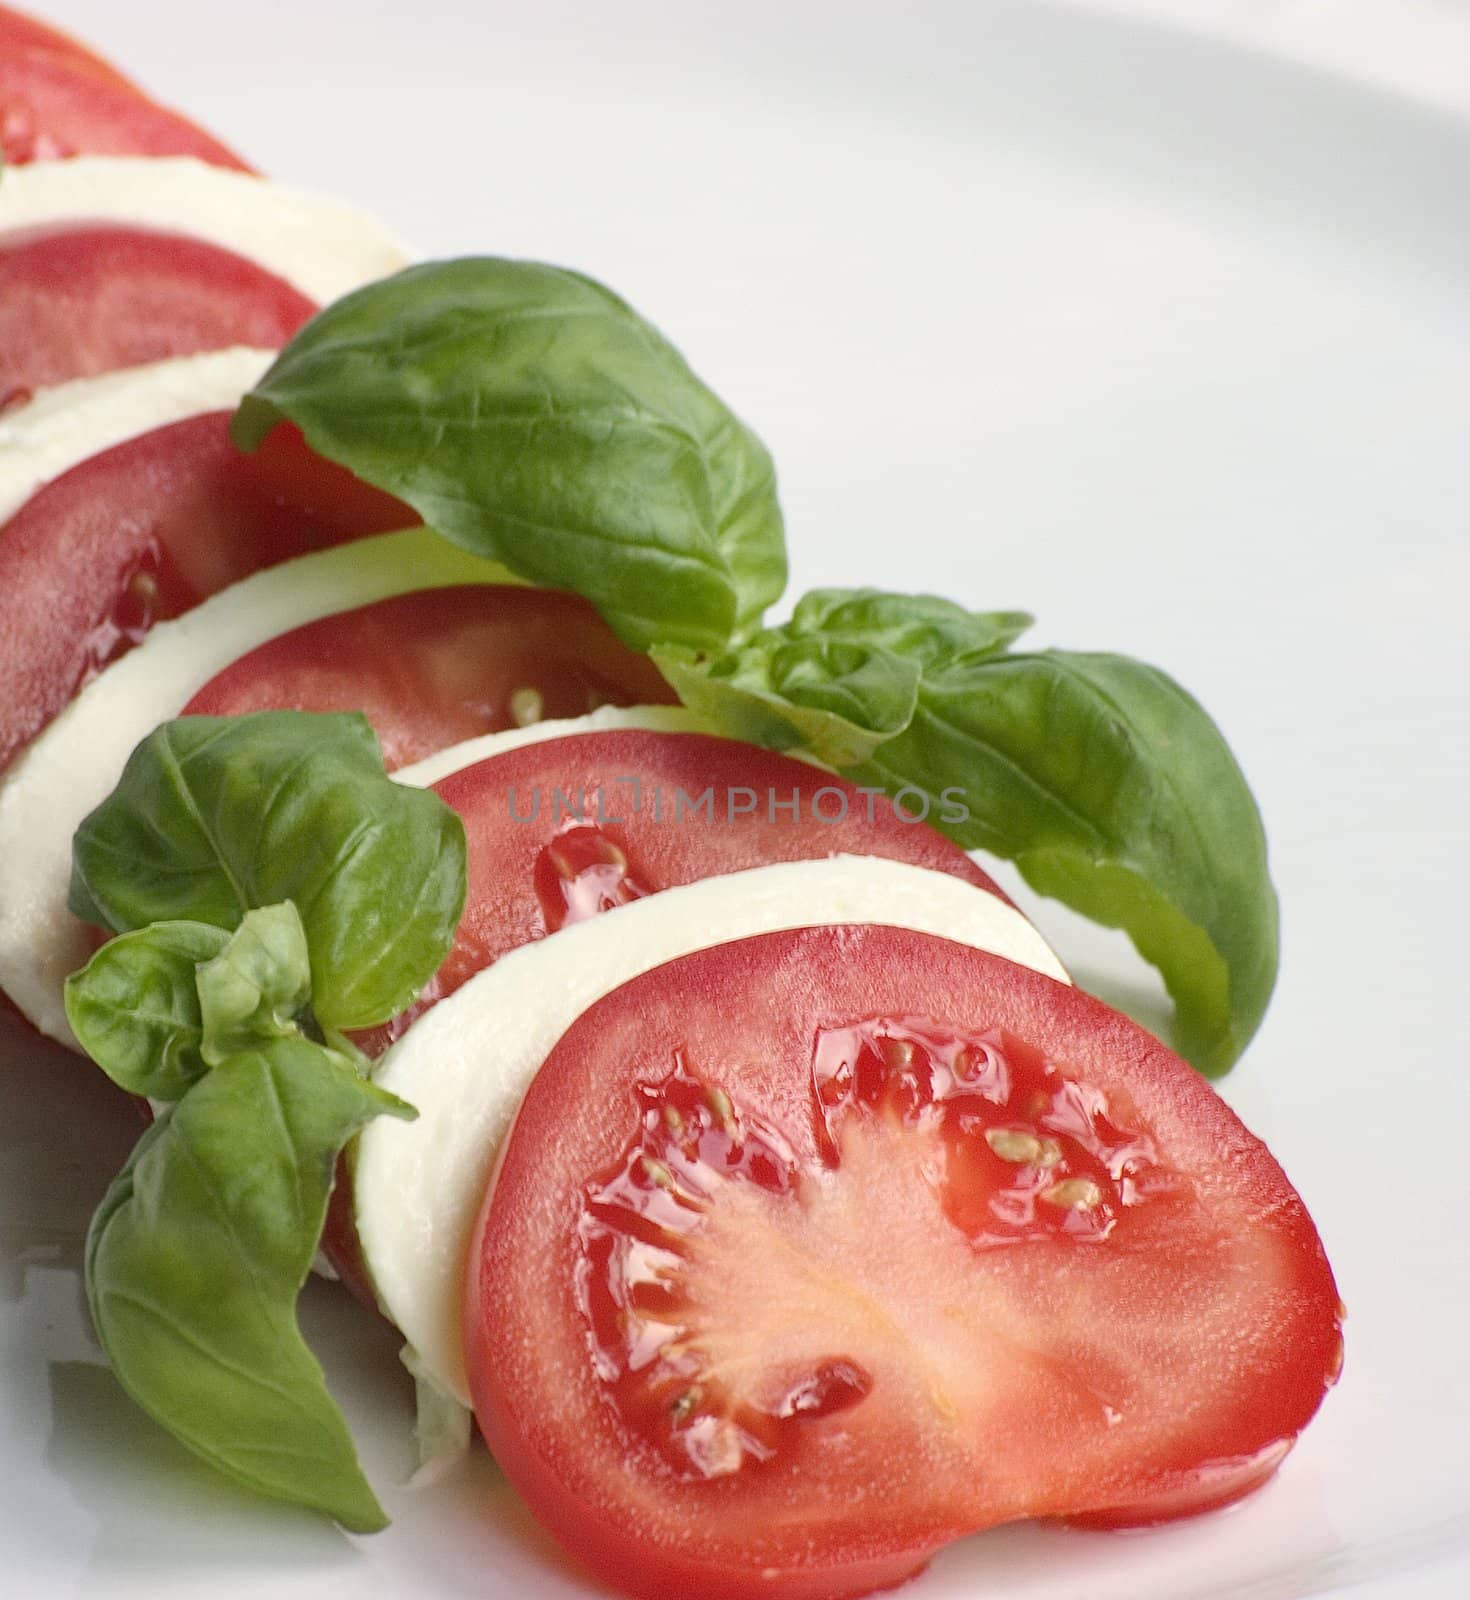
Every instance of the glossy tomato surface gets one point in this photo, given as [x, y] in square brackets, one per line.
[568, 828]
[57, 102]
[79, 301]
[811, 1252]
[436, 666]
[143, 531]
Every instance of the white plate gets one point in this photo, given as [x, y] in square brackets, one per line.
[1163, 336]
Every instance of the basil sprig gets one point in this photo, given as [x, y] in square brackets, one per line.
[272, 886]
[216, 816]
[529, 415]
[1107, 785]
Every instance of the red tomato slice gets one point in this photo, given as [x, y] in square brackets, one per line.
[812, 1252]
[76, 302]
[437, 666]
[53, 105]
[530, 875]
[142, 532]
[656, 810]
[19, 32]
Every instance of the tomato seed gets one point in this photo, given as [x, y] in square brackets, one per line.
[1078, 1194]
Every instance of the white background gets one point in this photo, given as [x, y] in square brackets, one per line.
[1161, 334]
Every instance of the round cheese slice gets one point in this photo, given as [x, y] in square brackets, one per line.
[465, 1064]
[317, 245]
[72, 766]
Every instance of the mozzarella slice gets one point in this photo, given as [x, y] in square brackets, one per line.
[71, 767]
[64, 425]
[418, 1186]
[319, 246]
[606, 719]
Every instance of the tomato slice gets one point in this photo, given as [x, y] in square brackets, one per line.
[56, 103]
[812, 1252]
[143, 531]
[79, 301]
[568, 828]
[437, 666]
[21, 32]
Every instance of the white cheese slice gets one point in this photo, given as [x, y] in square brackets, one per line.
[606, 719]
[318, 245]
[62, 426]
[465, 1065]
[74, 764]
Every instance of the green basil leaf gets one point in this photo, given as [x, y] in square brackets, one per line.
[196, 1256]
[921, 628]
[1112, 790]
[528, 414]
[836, 699]
[842, 675]
[217, 816]
[1099, 777]
[135, 1007]
[258, 985]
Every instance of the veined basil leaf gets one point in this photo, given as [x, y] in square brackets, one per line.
[257, 986]
[196, 1256]
[835, 699]
[135, 1007]
[922, 628]
[217, 816]
[1111, 789]
[1099, 777]
[530, 415]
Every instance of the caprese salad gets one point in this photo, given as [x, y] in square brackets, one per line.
[403, 794]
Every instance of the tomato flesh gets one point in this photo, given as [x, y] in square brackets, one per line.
[811, 1252]
[141, 533]
[57, 103]
[436, 666]
[84, 300]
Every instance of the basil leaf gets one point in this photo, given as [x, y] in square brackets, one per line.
[135, 1007]
[196, 1256]
[922, 628]
[530, 415]
[257, 986]
[842, 675]
[217, 816]
[1112, 790]
[837, 700]
[1106, 784]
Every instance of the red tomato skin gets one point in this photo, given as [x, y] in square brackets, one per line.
[547, 1417]
[19, 32]
[436, 666]
[80, 301]
[144, 531]
[55, 104]
[503, 909]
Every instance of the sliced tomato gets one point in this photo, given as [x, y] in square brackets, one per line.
[57, 103]
[567, 828]
[79, 301]
[142, 532]
[436, 666]
[812, 1252]
[20, 32]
